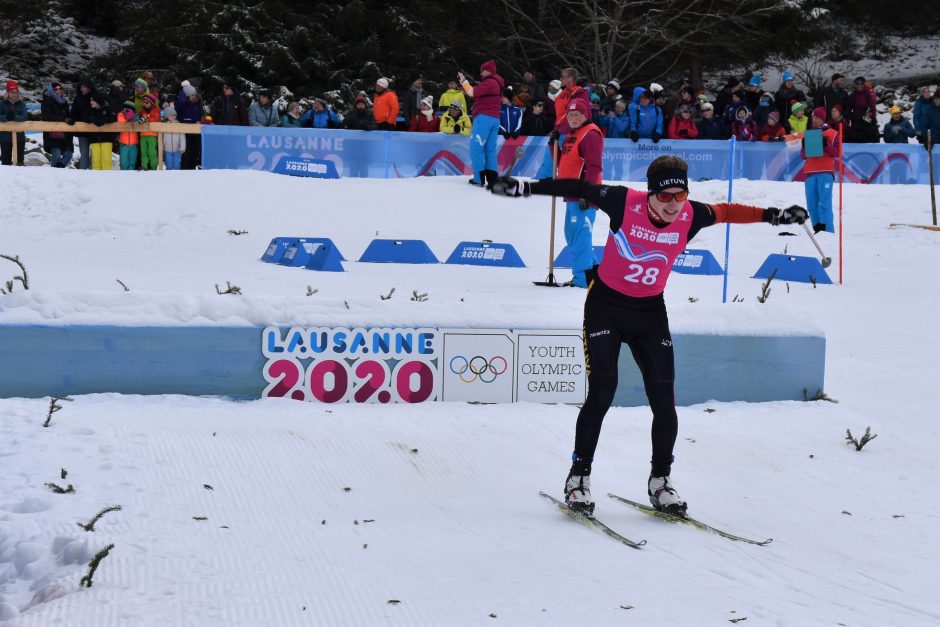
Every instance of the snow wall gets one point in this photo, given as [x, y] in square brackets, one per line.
[766, 358]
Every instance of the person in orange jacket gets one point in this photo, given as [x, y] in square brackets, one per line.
[384, 106]
[148, 139]
[819, 174]
[128, 140]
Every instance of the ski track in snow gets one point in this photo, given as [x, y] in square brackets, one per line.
[459, 530]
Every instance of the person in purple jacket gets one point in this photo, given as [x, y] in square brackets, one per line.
[487, 96]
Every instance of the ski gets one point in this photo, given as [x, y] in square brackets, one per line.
[594, 523]
[646, 509]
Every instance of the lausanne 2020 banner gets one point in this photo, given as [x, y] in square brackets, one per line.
[380, 154]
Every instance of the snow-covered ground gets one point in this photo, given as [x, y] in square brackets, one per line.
[328, 515]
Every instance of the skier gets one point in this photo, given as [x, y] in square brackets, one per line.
[625, 304]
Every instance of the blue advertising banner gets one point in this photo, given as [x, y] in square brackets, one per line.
[379, 154]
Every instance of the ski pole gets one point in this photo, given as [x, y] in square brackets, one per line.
[550, 281]
[933, 198]
[826, 261]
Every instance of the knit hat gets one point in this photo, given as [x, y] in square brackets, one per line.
[117, 83]
[797, 107]
[819, 112]
[737, 112]
[169, 111]
[189, 90]
[755, 80]
[894, 109]
[382, 82]
[707, 106]
[615, 84]
[787, 76]
[555, 84]
[837, 76]
[13, 86]
[581, 107]
[489, 65]
[428, 100]
[595, 98]
[141, 83]
[656, 88]
[128, 104]
[455, 104]
[151, 99]
[774, 116]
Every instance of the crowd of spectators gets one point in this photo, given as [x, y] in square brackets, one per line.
[748, 111]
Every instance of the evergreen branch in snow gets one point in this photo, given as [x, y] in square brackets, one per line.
[229, 289]
[93, 565]
[22, 278]
[765, 288]
[866, 438]
[90, 526]
[59, 489]
[237, 232]
[420, 298]
[387, 296]
[121, 283]
[311, 291]
[54, 407]
[818, 396]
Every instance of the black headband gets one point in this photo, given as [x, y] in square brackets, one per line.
[668, 177]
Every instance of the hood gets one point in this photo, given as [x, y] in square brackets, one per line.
[637, 92]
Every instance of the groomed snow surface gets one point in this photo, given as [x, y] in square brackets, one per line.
[279, 512]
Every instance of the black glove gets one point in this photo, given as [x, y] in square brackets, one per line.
[825, 141]
[584, 204]
[70, 121]
[504, 134]
[458, 128]
[514, 135]
[794, 214]
[100, 121]
[635, 136]
[656, 138]
[553, 137]
[508, 186]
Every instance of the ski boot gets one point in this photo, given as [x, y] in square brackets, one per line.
[664, 497]
[578, 490]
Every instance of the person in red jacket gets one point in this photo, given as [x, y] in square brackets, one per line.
[819, 174]
[682, 126]
[860, 100]
[570, 90]
[625, 305]
[773, 131]
[580, 159]
[487, 95]
[425, 121]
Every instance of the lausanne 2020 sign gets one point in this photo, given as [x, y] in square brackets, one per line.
[414, 365]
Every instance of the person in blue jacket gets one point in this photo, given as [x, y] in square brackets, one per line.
[617, 122]
[321, 115]
[646, 119]
[932, 119]
[510, 117]
[921, 107]
[897, 130]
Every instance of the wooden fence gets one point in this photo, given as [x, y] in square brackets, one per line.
[118, 127]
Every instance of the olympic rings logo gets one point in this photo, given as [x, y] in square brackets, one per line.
[478, 367]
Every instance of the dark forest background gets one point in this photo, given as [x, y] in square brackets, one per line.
[311, 49]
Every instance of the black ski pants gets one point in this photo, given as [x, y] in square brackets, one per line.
[646, 332]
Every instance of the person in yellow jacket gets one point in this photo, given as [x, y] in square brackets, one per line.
[798, 120]
[455, 121]
[128, 141]
[453, 94]
[148, 139]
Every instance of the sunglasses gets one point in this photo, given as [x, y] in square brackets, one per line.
[669, 196]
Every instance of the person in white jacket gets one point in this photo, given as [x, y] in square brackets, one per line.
[174, 144]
